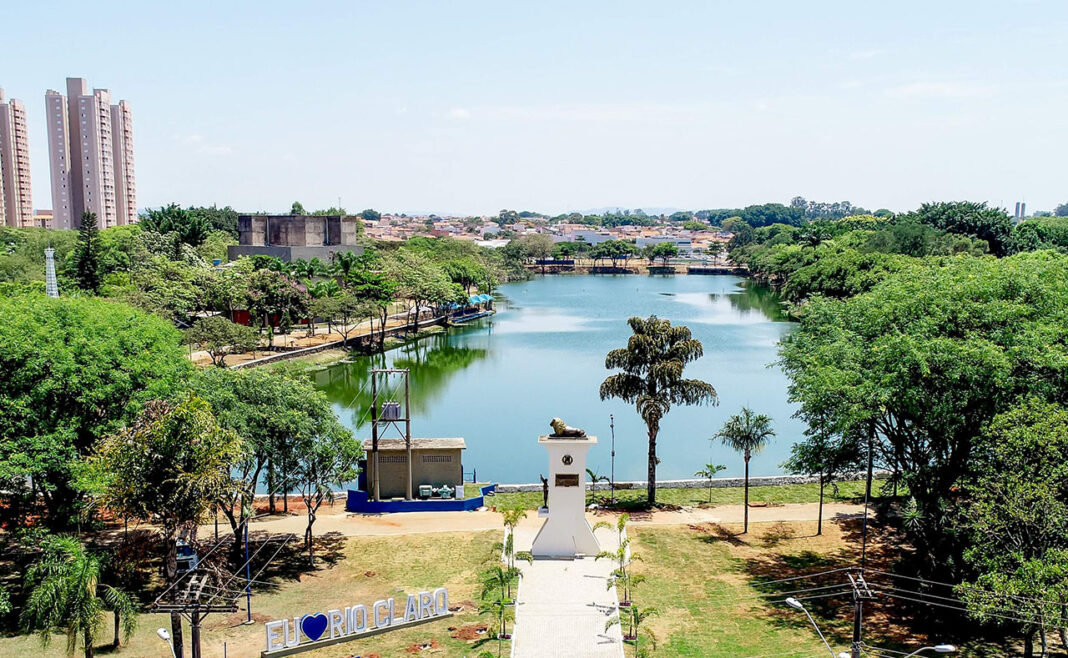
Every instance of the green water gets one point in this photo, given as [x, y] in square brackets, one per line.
[499, 381]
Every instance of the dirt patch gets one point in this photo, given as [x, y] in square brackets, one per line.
[470, 632]
[463, 605]
[420, 647]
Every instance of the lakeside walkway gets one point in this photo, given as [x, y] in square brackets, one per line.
[337, 520]
[562, 606]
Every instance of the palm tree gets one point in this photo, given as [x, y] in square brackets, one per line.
[622, 556]
[594, 479]
[634, 616]
[63, 585]
[747, 433]
[495, 597]
[652, 365]
[709, 472]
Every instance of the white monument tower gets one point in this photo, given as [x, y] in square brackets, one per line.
[566, 533]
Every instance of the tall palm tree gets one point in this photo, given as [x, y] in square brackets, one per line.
[64, 586]
[747, 433]
[651, 377]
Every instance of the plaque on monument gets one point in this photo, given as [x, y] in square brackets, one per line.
[567, 480]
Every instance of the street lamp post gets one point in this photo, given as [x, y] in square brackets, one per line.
[797, 605]
[938, 648]
[166, 637]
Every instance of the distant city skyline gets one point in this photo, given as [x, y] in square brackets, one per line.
[473, 107]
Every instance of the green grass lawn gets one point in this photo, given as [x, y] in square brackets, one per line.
[781, 494]
[368, 568]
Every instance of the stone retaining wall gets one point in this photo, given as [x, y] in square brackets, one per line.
[698, 483]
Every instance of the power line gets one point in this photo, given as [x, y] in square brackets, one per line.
[963, 609]
[804, 577]
[1014, 597]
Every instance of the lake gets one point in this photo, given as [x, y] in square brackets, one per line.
[498, 381]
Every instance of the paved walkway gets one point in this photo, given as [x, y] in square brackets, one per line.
[336, 519]
[563, 605]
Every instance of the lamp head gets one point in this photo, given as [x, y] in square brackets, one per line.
[945, 648]
[794, 603]
[163, 634]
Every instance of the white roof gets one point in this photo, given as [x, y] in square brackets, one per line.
[418, 444]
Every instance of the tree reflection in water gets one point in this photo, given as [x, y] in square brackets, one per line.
[759, 298]
[432, 361]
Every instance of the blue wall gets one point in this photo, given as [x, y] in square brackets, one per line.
[358, 502]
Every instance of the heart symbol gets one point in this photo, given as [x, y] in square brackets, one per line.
[313, 626]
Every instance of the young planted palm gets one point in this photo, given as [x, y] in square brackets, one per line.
[748, 433]
[709, 473]
[651, 377]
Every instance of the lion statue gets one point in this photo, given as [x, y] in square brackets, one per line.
[560, 428]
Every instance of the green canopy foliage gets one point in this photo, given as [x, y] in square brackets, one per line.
[73, 371]
[924, 361]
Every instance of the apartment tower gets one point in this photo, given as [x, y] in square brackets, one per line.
[90, 143]
[16, 198]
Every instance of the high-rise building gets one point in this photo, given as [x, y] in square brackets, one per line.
[123, 162]
[16, 197]
[90, 145]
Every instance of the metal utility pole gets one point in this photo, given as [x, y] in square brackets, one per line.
[861, 593]
[612, 424]
[389, 414]
[374, 435]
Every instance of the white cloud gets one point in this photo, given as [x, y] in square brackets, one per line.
[459, 113]
[941, 90]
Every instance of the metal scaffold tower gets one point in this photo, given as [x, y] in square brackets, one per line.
[51, 287]
[386, 414]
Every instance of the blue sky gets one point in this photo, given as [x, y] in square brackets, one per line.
[471, 107]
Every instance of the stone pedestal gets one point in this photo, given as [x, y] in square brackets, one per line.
[566, 533]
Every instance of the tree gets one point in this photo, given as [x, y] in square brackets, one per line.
[494, 599]
[65, 595]
[168, 468]
[218, 337]
[190, 227]
[1016, 517]
[969, 218]
[74, 370]
[273, 296]
[664, 251]
[824, 455]
[634, 616]
[297, 209]
[622, 556]
[923, 361]
[167, 288]
[746, 432]
[372, 287]
[217, 219]
[370, 215]
[326, 457]
[652, 364]
[709, 472]
[85, 259]
[506, 217]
